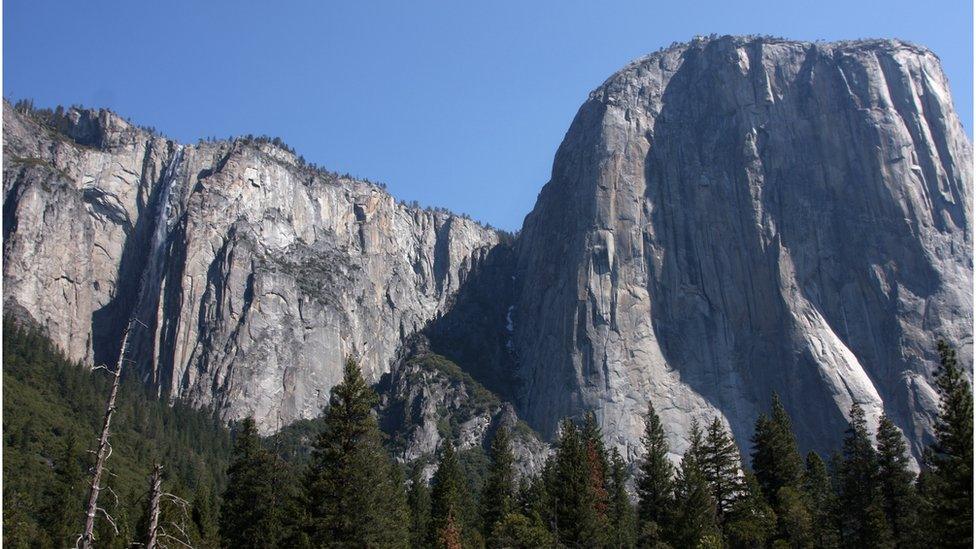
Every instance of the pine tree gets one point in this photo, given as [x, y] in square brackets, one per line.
[577, 522]
[290, 498]
[519, 531]
[418, 501]
[720, 466]
[793, 520]
[449, 535]
[203, 515]
[623, 531]
[60, 513]
[354, 491]
[862, 520]
[20, 530]
[900, 501]
[598, 469]
[750, 521]
[534, 500]
[695, 522]
[655, 483]
[450, 501]
[775, 459]
[396, 527]
[496, 497]
[821, 501]
[950, 458]
[248, 516]
[779, 469]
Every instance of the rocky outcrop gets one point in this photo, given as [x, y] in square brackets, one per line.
[731, 217]
[252, 274]
[427, 399]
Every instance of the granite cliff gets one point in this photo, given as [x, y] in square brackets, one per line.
[726, 218]
[731, 217]
[252, 275]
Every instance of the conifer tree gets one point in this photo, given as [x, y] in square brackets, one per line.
[290, 498]
[354, 491]
[900, 501]
[598, 469]
[533, 497]
[519, 531]
[20, 531]
[449, 535]
[571, 491]
[750, 522]
[862, 519]
[821, 501]
[418, 501]
[248, 516]
[695, 522]
[655, 482]
[779, 469]
[720, 466]
[450, 501]
[949, 482]
[622, 521]
[496, 497]
[793, 520]
[58, 514]
[204, 517]
[775, 459]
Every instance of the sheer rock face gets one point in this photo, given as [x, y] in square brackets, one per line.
[254, 276]
[733, 217]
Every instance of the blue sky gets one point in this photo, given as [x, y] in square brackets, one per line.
[455, 104]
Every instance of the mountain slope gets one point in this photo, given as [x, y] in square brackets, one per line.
[51, 405]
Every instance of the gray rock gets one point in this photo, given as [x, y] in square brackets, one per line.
[427, 399]
[726, 218]
[736, 216]
[254, 274]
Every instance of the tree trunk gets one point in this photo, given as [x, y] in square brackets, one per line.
[155, 494]
[88, 536]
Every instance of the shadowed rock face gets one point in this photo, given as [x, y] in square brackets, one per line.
[733, 217]
[253, 274]
[726, 218]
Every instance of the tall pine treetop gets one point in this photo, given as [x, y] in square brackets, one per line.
[353, 489]
[950, 459]
[451, 506]
[655, 482]
[863, 523]
[248, 515]
[720, 465]
[496, 498]
[954, 427]
[775, 458]
[899, 498]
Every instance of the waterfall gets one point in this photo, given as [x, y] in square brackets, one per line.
[146, 312]
[163, 223]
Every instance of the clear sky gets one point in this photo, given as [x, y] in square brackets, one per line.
[455, 104]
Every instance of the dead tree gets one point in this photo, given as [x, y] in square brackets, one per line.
[157, 536]
[155, 495]
[87, 538]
